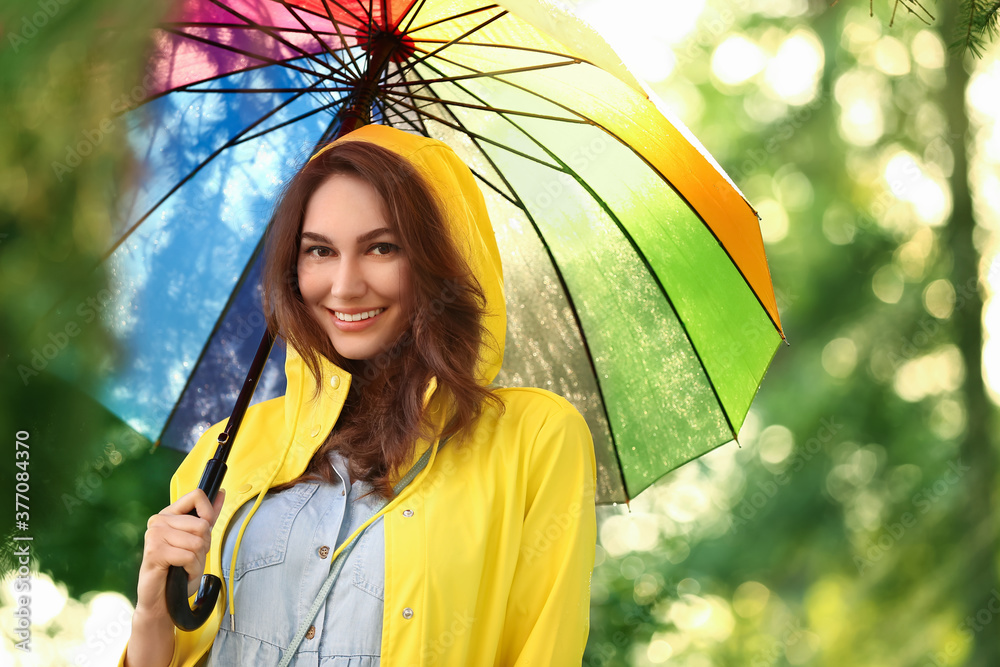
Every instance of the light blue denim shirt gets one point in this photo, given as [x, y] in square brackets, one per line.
[283, 560]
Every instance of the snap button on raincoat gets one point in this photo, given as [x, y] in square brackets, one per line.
[489, 551]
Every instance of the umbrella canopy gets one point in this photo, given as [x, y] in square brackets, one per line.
[635, 270]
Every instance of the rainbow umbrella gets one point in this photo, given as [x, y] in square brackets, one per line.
[635, 270]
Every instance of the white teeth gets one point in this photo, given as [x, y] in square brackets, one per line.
[345, 317]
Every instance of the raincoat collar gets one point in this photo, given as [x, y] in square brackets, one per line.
[310, 419]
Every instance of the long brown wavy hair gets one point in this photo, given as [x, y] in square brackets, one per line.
[384, 415]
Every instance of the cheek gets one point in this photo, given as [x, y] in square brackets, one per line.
[310, 284]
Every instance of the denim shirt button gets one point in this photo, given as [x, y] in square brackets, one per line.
[324, 551]
[407, 613]
[311, 632]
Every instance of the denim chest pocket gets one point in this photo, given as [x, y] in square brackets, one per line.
[265, 540]
[369, 561]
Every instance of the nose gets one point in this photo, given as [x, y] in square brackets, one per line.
[348, 280]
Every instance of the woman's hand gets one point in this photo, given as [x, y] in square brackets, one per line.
[172, 538]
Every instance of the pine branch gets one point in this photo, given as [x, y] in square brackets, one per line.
[907, 5]
[978, 25]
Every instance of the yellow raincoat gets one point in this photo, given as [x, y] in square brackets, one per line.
[490, 549]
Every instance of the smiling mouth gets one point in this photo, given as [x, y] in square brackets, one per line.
[356, 317]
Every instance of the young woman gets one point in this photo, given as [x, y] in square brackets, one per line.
[383, 277]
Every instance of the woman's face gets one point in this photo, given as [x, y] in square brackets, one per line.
[352, 273]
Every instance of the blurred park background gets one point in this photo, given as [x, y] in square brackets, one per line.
[856, 523]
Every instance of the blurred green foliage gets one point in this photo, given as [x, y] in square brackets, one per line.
[64, 67]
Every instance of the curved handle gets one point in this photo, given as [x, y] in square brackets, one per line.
[190, 618]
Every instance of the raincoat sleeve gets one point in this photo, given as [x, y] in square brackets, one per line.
[548, 611]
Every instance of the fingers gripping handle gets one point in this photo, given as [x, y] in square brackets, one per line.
[185, 617]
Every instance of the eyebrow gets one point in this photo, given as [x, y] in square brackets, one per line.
[364, 238]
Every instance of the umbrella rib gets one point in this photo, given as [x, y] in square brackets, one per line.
[315, 35]
[390, 107]
[501, 46]
[306, 10]
[336, 25]
[371, 19]
[484, 8]
[282, 124]
[273, 35]
[481, 177]
[187, 87]
[472, 134]
[422, 128]
[565, 288]
[324, 89]
[243, 26]
[412, 11]
[233, 141]
[496, 75]
[362, 21]
[270, 61]
[477, 75]
[483, 107]
[494, 187]
[413, 63]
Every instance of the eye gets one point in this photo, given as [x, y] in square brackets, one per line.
[317, 251]
[384, 249]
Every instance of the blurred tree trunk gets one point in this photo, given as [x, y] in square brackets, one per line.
[979, 529]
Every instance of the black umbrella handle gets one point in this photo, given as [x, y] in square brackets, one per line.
[191, 618]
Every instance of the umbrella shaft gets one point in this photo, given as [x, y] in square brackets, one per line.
[359, 108]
